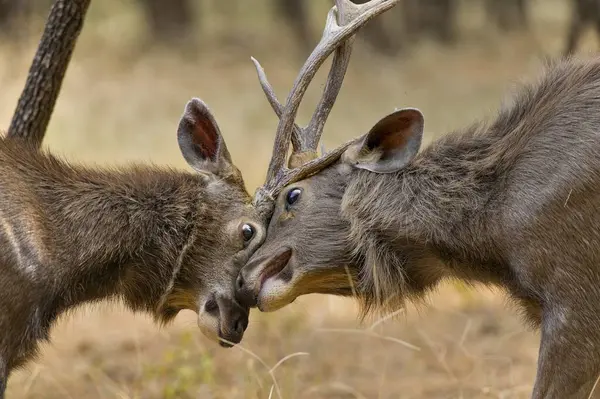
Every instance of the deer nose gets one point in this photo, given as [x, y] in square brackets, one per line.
[243, 294]
[233, 321]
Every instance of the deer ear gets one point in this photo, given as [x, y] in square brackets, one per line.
[200, 139]
[390, 145]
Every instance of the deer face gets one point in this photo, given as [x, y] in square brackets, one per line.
[226, 231]
[308, 248]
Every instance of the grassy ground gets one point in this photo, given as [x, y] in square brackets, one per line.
[121, 103]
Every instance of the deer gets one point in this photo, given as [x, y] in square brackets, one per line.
[156, 239]
[513, 203]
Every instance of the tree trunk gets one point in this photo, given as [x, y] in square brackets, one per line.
[295, 14]
[169, 21]
[12, 12]
[378, 36]
[434, 18]
[47, 71]
[508, 14]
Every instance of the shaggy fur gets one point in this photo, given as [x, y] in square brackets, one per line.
[515, 204]
[157, 239]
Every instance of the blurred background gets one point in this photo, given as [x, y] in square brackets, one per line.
[135, 66]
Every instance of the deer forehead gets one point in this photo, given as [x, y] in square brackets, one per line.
[228, 193]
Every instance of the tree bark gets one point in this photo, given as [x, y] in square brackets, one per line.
[170, 21]
[11, 13]
[294, 12]
[436, 19]
[47, 71]
[508, 14]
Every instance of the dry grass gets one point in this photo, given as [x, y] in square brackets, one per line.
[120, 105]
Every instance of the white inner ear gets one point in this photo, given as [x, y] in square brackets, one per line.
[382, 167]
[357, 157]
[352, 154]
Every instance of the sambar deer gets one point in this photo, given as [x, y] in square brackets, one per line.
[157, 239]
[513, 203]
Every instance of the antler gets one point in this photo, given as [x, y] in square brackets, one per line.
[343, 21]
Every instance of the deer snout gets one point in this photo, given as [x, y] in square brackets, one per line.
[233, 320]
[258, 270]
[223, 319]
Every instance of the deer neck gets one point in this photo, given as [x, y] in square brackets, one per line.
[427, 222]
[120, 234]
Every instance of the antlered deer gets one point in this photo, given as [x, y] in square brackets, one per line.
[157, 239]
[514, 203]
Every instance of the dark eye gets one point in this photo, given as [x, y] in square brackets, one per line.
[247, 232]
[293, 195]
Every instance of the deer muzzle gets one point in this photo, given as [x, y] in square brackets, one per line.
[257, 273]
[224, 320]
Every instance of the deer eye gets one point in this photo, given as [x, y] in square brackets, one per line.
[292, 196]
[247, 232]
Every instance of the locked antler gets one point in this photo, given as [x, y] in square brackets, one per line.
[343, 21]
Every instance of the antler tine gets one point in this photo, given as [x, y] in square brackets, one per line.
[334, 35]
[304, 139]
[311, 134]
[275, 104]
[346, 11]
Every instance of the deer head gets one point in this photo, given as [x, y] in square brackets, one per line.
[227, 233]
[306, 249]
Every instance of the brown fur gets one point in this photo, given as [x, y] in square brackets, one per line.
[157, 239]
[515, 204]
